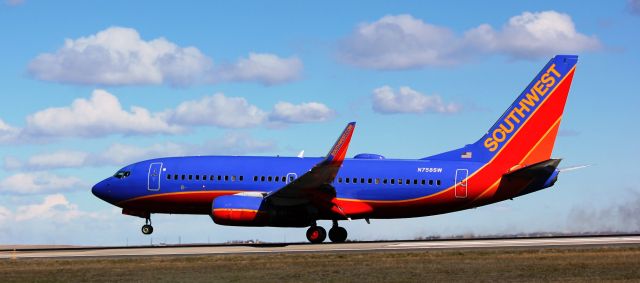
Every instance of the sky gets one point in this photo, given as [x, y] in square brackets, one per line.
[88, 87]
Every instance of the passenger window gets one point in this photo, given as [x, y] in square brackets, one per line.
[182, 176]
[198, 177]
[362, 180]
[438, 182]
[233, 178]
[190, 177]
[175, 176]
[393, 181]
[399, 181]
[284, 179]
[369, 181]
[277, 179]
[262, 179]
[407, 182]
[291, 179]
[415, 181]
[384, 181]
[219, 177]
[226, 177]
[423, 182]
[377, 181]
[168, 176]
[255, 178]
[355, 180]
[346, 180]
[212, 177]
[269, 178]
[241, 178]
[430, 182]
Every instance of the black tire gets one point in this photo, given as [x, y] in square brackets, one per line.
[338, 234]
[316, 234]
[147, 229]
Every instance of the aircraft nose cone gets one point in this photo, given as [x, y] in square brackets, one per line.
[100, 190]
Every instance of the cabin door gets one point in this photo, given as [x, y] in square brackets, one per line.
[461, 183]
[154, 176]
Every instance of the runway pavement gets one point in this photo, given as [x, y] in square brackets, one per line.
[327, 247]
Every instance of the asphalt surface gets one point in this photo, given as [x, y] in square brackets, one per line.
[315, 248]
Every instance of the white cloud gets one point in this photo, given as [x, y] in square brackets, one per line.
[301, 113]
[407, 100]
[119, 56]
[533, 35]
[54, 207]
[100, 115]
[402, 41]
[217, 110]
[399, 42]
[103, 115]
[49, 160]
[38, 182]
[265, 68]
[7, 132]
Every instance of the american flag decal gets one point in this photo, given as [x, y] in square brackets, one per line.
[466, 154]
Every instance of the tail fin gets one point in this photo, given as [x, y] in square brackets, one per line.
[527, 130]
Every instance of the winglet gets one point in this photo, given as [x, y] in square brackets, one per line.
[339, 150]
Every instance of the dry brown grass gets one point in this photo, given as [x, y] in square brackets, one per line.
[522, 265]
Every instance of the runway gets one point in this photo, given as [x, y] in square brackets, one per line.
[319, 248]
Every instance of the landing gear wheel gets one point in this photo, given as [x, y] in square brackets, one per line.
[316, 234]
[337, 234]
[147, 229]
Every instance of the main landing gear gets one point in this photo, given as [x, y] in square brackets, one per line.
[316, 234]
[147, 229]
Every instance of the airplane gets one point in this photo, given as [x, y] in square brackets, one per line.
[513, 158]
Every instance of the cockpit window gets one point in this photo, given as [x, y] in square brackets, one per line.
[122, 174]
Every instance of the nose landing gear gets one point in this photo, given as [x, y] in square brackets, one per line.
[147, 229]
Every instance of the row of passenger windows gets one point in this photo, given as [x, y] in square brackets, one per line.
[283, 179]
[391, 181]
[205, 177]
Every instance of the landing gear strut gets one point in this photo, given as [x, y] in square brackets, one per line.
[316, 234]
[337, 234]
[147, 229]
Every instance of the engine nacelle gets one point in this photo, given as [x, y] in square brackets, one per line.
[244, 210]
[239, 211]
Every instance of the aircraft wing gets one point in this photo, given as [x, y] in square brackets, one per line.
[315, 185]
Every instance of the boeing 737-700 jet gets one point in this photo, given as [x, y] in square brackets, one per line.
[512, 159]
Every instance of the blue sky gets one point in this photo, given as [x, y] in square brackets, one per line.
[89, 87]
